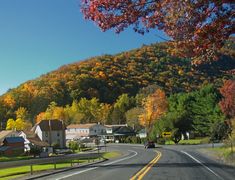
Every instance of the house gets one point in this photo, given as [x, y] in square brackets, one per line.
[7, 133]
[142, 133]
[117, 132]
[12, 146]
[77, 131]
[51, 131]
[32, 139]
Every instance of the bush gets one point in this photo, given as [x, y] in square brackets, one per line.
[55, 145]
[73, 145]
[143, 140]
[205, 140]
[35, 151]
[220, 131]
[161, 141]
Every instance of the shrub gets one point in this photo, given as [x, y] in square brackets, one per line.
[73, 145]
[35, 151]
[161, 141]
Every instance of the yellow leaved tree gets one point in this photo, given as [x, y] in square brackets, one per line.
[155, 105]
[21, 122]
[18, 124]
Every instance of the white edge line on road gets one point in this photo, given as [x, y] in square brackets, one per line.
[203, 165]
[113, 162]
[129, 157]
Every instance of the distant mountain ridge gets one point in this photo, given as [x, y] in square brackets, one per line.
[106, 77]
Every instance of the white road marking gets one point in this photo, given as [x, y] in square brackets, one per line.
[129, 157]
[113, 162]
[210, 170]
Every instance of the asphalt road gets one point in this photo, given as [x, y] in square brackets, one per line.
[163, 163]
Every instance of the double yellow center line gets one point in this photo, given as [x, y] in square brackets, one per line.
[143, 171]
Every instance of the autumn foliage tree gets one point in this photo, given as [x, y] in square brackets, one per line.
[18, 124]
[198, 28]
[155, 105]
[21, 122]
[227, 104]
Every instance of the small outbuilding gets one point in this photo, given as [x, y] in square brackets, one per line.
[12, 146]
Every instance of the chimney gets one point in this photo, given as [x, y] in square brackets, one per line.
[49, 123]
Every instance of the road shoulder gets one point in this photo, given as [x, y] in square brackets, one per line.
[217, 156]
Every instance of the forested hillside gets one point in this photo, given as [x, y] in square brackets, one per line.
[109, 76]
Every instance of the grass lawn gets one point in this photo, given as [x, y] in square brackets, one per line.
[83, 149]
[189, 142]
[5, 158]
[109, 155]
[224, 152]
[11, 173]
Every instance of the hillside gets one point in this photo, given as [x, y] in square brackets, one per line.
[106, 77]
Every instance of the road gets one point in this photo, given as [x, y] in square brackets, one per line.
[164, 163]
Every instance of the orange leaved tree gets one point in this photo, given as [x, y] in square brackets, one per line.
[155, 105]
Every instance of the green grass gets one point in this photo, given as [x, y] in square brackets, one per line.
[83, 149]
[189, 142]
[11, 173]
[109, 155]
[6, 158]
[11, 177]
[223, 152]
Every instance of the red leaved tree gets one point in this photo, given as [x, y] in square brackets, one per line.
[198, 28]
[227, 104]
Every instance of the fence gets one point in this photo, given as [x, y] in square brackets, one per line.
[51, 160]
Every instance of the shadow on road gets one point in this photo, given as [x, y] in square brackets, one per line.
[141, 165]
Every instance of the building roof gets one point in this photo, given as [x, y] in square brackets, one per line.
[116, 125]
[6, 133]
[142, 131]
[38, 142]
[126, 130]
[13, 139]
[34, 139]
[4, 148]
[53, 125]
[80, 126]
[29, 134]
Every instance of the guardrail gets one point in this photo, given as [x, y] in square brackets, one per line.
[50, 160]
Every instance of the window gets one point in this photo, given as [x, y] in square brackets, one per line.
[58, 134]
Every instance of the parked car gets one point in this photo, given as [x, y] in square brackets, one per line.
[149, 144]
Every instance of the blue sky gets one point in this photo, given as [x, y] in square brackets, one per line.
[38, 36]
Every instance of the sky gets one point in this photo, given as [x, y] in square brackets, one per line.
[38, 36]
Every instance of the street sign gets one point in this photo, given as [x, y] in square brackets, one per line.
[166, 134]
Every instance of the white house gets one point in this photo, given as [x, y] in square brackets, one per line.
[142, 133]
[51, 131]
[76, 131]
[118, 131]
